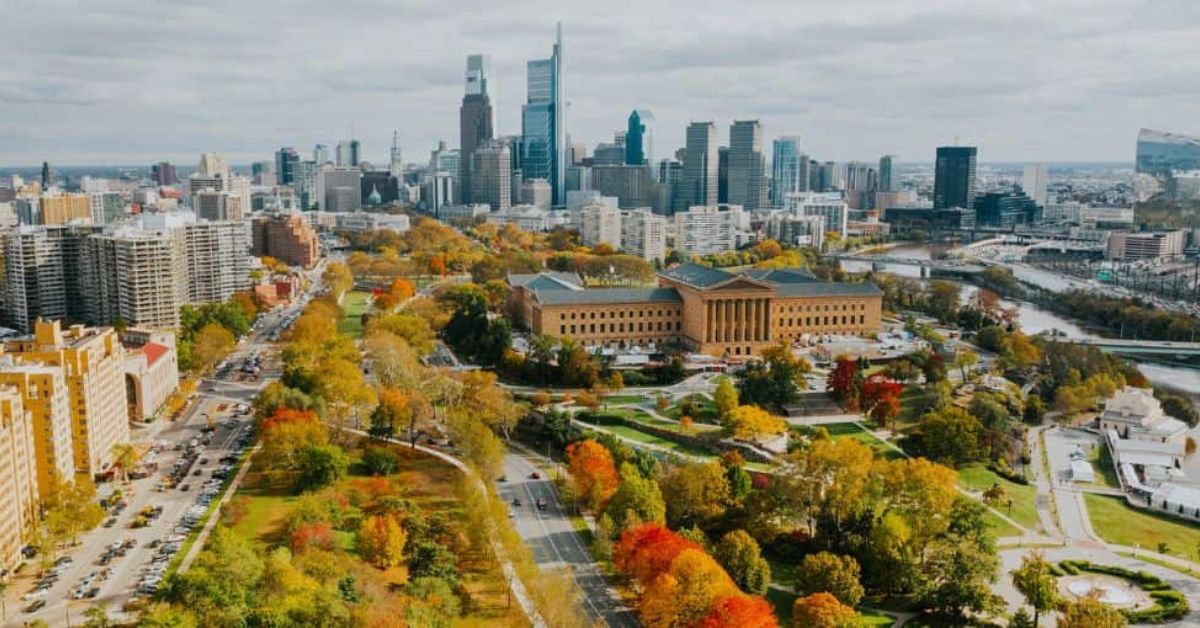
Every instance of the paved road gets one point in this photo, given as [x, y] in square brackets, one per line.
[555, 544]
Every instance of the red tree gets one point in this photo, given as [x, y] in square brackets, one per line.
[317, 535]
[881, 398]
[742, 611]
[647, 550]
[845, 382]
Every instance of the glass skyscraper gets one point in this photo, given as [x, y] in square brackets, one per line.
[786, 169]
[639, 138]
[954, 177]
[543, 150]
[475, 120]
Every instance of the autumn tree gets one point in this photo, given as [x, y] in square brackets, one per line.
[338, 278]
[845, 382]
[880, 399]
[830, 573]
[1037, 584]
[211, 344]
[949, 435]
[694, 492]
[743, 611]
[685, 593]
[647, 551]
[390, 415]
[381, 541]
[725, 398]
[593, 473]
[742, 559]
[822, 610]
[1090, 612]
[752, 423]
[637, 500]
[316, 535]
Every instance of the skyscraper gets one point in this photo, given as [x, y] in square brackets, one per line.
[543, 144]
[1034, 182]
[954, 177]
[698, 184]
[475, 117]
[491, 166]
[639, 138]
[395, 157]
[163, 173]
[348, 153]
[886, 183]
[786, 168]
[747, 165]
[286, 160]
[320, 154]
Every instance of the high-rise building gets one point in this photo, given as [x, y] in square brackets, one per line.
[1006, 210]
[215, 205]
[639, 138]
[747, 165]
[47, 177]
[829, 204]
[218, 260]
[475, 116]
[164, 174]
[536, 192]
[1034, 181]
[632, 185]
[600, 223]
[286, 161]
[954, 177]
[321, 154]
[395, 157]
[42, 274]
[43, 390]
[341, 189]
[212, 166]
[286, 237]
[644, 234]
[305, 184]
[107, 207]
[698, 181]
[92, 361]
[492, 175]
[543, 143]
[723, 174]
[61, 209]
[348, 153]
[707, 229]
[18, 476]
[886, 182]
[786, 169]
[135, 275]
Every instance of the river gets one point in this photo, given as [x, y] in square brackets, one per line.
[1034, 319]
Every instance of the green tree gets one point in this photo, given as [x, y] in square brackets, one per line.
[694, 492]
[830, 573]
[725, 398]
[948, 435]
[742, 559]
[320, 465]
[380, 461]
[1037, 584]
[434, 560]
[637, 500]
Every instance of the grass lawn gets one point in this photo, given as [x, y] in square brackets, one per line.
[353, 306]
[1118, 522]
[853, 430]
[623, 399]
[977, 477]
[1106, 475]
[649, 439]
[705, 411]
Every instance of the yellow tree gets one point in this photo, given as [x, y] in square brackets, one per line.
[126, 456]
[725, 398]
[338, 278]
[752, 423]
[822, 610]
[212, 343]
[684, 594]
[341, 384]
[381, 541]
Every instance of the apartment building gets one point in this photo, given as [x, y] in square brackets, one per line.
[92, 362]
[644, 234]
[18, 477]
[60, 209]
[600, 223]
[135, 275]
[707, 229]
[42, 273]
[218, 262]
[43, 390]
[830, 205]
[286, 237]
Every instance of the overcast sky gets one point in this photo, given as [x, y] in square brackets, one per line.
[116, 81]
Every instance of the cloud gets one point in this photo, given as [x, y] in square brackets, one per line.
[124, 81]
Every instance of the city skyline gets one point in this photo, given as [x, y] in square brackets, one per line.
[1025, 84]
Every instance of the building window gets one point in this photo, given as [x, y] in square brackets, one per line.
[572, 329]
[593, 330]
[562, 329]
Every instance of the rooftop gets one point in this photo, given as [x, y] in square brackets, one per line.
[548, 280]
[603, 296]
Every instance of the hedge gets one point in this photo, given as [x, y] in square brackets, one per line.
[1169, 604]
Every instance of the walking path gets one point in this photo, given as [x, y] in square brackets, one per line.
[215, 515]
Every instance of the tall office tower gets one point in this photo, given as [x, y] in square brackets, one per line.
[137, 275]
[107, 207]
[476, 120]
[723, 174]
[41, 274]
[827, 204]
[341, 189]
[43, 390]
[92, 361]
[18, 476]
[212, 205]
[321, 154]
[212, 166]
[491, 172]
[886, 182]
[600, 223]
[543, 143]
[632, 185]
[395, 157]
[218, 260]
[263, 173]
[644, 234]
[861, 184]
[286, 160]
[47, 179]
[609, 153]
[639, 138]
[164, 174]
[815, 174]
[698, 181]
[786, 168]
[954, 177]
[747, 165]
[670, 173]
[1034, 182]
[60, 209]
[579, 178]
[439, 192]
[348, 153]
[576, 153]
[305, 184]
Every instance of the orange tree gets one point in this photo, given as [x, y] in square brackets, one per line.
[593, 472]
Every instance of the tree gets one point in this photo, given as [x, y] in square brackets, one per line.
[1037, 584]
[390, 414]
[381, 541]
[742, 559]
[592, 472]
[965, 359]
[71, 508]
[316, 535]
[881, 399]
[320, 465]
[845, 382]
[957, 573]
[1090, 612]
[742, 611]
[902, 370]
[949, 435]
[830, 573]
[683, 595]
[828, 479]
[636, 500]
[341, 384]
[822, 610]
[994, 495]
[725, 398]
[126, 456]
[752, 423]
[97, 617]
[380, 461]
[211, 344]
[338, 278]
[434, 560]
[694, 492]
[646, 551]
